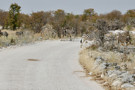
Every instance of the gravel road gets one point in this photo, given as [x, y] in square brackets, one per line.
[46, 65]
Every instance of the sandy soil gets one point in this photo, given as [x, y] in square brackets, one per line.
[47, 65]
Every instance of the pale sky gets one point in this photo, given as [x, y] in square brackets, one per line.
[70, 6]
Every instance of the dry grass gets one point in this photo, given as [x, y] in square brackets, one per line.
[87, 60]
[10, 32]
[129, 27]
[88, 56]
[28, 37]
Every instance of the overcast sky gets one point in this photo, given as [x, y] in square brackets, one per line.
[71, 6]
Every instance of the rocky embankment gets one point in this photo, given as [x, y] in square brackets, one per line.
[118, 74]
[113, 65]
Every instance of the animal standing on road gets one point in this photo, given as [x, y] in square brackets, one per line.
[3, 33]
[19, 33]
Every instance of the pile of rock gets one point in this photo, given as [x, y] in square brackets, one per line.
[118, 74]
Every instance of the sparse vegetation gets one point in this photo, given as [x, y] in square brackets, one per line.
[100, 73]
[66, 24]
[109, 37]
[109, 56]
[14, 13]
[111, 64]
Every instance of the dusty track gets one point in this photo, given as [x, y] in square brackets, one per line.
[48, 65]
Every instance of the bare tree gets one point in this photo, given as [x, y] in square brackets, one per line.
[102, 27]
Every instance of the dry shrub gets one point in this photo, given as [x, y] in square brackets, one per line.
[87, 58]
[27, 37]
[85, 61]
[93, 47]
[12, 41]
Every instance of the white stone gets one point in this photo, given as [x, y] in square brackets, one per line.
[0, 27]
[116, 83]
[127, 85]
[126, 77]
[117, 31]
[113, 75]
[91, 73]
[102, 75]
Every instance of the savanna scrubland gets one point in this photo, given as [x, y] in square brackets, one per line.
[108, 40]
[59, 24]
[108, 55]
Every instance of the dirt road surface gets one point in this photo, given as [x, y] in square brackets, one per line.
[46, 65]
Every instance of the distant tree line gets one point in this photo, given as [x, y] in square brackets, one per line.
[62, 21]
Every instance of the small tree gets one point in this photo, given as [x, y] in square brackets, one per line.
[14, 13]
[59, 21]
[114, 15]
[3, 18]
[38, 20]
[87, 14]
[102, 27]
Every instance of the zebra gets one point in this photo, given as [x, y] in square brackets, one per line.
[3, 33]
[19, 33]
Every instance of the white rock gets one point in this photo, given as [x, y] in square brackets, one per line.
[105, 83]
[126, 77]
[0, 27]
[117, 72]
[98, 60]
[117, 31]
[102, 75]
[113, 75]
[91, 73]
[116, 83]
[103, 65]
[110, 72]
[127, 85]
[133, 32]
